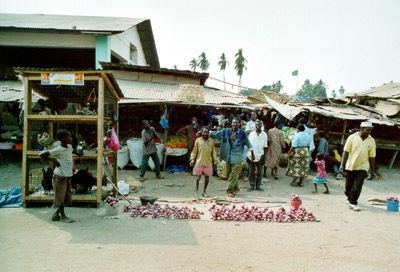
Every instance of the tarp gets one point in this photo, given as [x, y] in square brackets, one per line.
[11, 198]
[289, 112]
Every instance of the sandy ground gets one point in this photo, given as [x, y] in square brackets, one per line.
[343, 240]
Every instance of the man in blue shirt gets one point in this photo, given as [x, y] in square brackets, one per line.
[232, 148]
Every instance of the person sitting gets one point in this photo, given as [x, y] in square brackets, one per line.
[332, 164]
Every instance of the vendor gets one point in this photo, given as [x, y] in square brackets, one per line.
[251, 125]
[189, 133]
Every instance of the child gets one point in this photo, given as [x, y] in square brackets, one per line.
[62, 174]
[321, 174]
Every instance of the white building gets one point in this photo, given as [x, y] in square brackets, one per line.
[38, 40]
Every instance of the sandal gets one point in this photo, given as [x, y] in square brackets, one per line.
[327, 192]
[160, 177]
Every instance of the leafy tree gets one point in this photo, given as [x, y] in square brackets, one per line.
[275, 87]
[247, 92]
[310, 90]
[342, 90]
[203, 62]
[193, 64]
[319, 89]
[175, 67]
[240, 65]
[306, 89]
[333, 93]
[222, 65]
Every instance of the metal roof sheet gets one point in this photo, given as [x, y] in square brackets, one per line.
[11, 90]
[67, 22]
[153, 91]
[389, 90]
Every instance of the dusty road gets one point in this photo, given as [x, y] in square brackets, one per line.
[343, 240]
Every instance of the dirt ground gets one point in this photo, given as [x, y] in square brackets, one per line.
[342, 240]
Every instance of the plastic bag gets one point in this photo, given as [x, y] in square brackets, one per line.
[114, 140]
[222, 170]
[165, 118]
[123, 188]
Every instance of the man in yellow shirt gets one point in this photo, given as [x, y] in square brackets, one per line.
[203, 157]
[358, 157]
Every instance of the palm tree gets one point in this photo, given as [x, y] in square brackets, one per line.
[240, 65]
[203, 62]
[222, 65]
[193, 64]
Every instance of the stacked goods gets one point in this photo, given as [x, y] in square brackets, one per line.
[289, 133]
[253, 213]
[177, 143]
[190, 93]
[156, 211]
[392, 198]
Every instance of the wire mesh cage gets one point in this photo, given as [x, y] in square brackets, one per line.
[87, 110]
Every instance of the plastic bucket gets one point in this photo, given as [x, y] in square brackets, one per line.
[392, 206]
[295, 203]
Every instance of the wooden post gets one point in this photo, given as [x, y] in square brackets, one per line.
[100, 136]
[27, 139]
[343, 132]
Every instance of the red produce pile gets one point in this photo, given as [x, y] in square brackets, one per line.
[259, 214]
[156, 211]
[392, 198]
[295, 197]
[111, 201]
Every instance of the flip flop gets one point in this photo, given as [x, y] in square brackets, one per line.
[327, 192]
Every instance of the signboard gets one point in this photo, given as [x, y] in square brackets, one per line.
[77, 79]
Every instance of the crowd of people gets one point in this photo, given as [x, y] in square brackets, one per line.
[264, 150]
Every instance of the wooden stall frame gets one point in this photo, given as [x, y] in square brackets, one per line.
[99, 119]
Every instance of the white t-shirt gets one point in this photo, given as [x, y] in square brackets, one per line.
[258, 142]
[312, 133]
[64, 157]
[251, 125]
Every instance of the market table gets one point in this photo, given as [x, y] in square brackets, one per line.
[173, 152]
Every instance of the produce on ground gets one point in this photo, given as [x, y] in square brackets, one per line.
[156, 211]
[112, 201]
[392, 198]
[295, 197]
[253, 213]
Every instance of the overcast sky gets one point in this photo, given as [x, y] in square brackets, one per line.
[354, 43]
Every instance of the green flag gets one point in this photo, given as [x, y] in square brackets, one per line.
[295, 72]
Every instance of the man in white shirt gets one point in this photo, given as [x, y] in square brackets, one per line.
[258, 140]
[251, 125]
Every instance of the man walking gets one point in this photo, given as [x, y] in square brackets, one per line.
[358, 156]
[149, 150]
[203, 157]
[258, 139]
[232, 148]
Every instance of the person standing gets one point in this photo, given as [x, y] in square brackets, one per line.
[203, 157]
[276, 140]
[251, 125]
[321, 174]
[259, 141]
[233, 141]
[189, 132]
[298, 156]
[62, 174]
[358, 157]
[149, 135]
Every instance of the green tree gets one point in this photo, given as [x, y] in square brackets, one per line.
[240, 65]
[193, 64]
[333, 93]
[222, 66]
[275, 87]
[342, 90]
[175, 67]
[310, 90]
[203, 62]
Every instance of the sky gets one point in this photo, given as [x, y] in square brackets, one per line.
[349, 43]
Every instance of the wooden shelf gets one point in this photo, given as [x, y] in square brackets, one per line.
[51, 198]
[68, 118]
[35, 155]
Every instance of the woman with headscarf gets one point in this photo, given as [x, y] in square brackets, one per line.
[299, 157]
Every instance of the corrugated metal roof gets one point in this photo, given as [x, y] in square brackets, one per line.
[67, 22]
[389, 90]
[153, 91]
[11, 90]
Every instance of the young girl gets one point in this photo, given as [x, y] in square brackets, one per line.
[321, 174]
